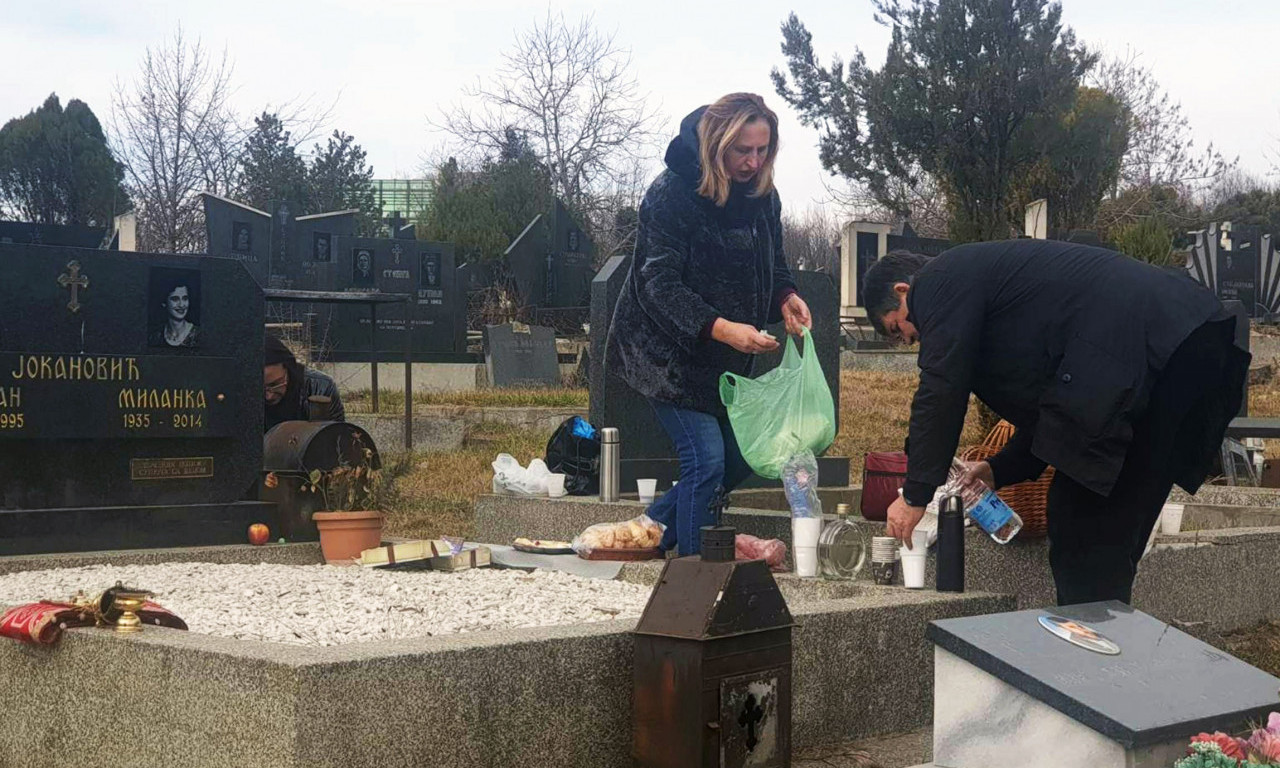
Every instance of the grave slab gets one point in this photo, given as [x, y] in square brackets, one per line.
[1091, 685]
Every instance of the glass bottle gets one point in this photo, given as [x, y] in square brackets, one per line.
[842, 548]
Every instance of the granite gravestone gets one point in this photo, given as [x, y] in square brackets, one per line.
[551, 262]
[646, 449]
[569, 269]
[521, 356]
[130, 400]
[526, 260]
[238, 231]
[422, 269]
[1238, 269]
[73, 235]
[1089, 685]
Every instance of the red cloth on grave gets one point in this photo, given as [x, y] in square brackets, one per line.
[42, 623]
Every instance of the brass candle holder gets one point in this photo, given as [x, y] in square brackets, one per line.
[120, 606]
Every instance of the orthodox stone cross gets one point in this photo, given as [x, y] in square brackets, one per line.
[75, 281]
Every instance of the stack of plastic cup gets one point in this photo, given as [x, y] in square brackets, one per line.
[804, 541]
[648, 488]
[914, 560]
[884, 559]
[555, 485]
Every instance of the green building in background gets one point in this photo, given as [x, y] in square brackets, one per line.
[408, 196]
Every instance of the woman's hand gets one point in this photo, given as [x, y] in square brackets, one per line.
[795, 313]
[742, 337]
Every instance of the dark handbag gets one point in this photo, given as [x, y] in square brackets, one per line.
[883, 473]
[575, 455]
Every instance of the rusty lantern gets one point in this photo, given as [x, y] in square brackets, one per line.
[713, 665]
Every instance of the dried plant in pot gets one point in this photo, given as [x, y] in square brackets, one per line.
[349, 521]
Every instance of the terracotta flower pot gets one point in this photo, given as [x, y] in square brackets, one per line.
[344, 535]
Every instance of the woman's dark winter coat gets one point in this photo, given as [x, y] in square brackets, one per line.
[695, 262]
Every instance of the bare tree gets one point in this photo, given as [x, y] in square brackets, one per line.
[810, 241]
[569, 89]
[178, 137]
[1161, 151]
[924, 204]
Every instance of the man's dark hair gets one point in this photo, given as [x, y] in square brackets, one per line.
[877, 284]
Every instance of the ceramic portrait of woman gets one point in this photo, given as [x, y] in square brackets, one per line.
[175, 295]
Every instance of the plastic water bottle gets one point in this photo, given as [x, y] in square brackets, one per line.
[981, 505]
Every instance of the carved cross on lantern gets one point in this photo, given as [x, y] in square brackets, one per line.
[752, 714]
[75, 281]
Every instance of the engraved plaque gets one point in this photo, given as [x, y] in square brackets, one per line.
[171, 469]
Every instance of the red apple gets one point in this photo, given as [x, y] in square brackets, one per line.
[259, 534]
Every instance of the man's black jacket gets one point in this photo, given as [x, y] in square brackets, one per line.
[1064, 341]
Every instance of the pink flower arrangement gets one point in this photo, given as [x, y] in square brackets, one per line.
[1262, 748]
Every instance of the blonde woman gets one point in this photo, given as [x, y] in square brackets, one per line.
[707, 275]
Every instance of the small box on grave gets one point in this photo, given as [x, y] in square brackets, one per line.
[1092, 685]
[712, 665]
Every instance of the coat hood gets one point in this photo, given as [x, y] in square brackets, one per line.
[682, 152]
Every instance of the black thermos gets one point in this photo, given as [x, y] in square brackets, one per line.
[951, 545]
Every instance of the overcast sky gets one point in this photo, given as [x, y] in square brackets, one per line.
[390, 64]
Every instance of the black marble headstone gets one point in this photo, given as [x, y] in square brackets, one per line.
[418, 268]
[646, 449]
[572, 253]
[1237, 269]
[523, 356]
[238, 231]
[1164, 684]
[526, 259]
[73, 235]
[130, 399]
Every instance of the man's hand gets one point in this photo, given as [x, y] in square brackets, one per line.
[903, 519]
[795, 313]
[742, 337]
[980, 470]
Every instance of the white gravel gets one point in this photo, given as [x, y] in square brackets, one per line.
[323, 605]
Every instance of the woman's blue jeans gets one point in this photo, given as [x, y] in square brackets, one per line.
[709, 459]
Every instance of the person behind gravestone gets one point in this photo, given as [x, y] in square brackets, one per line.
[289, 385]
[176, 330]
[707, 273]
[1120, 375]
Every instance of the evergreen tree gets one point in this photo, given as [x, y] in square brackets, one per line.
[56, 167]
[272, 169]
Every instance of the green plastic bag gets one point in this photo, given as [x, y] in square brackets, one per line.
[782, 412]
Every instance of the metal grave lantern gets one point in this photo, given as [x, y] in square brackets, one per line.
[713, 666]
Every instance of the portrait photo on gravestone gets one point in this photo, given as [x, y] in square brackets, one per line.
[320, 247]
[362, 268]
[174, 304]
[241, 237]
[430, 272]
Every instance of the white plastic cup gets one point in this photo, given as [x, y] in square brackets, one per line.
[1171, 518]
[555, 485]
[804, 541]
[913, 564]
[806, 562]
[648, 488]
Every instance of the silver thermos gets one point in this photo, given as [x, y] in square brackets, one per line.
[610, 464]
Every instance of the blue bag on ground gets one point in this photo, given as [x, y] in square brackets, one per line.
[782, 412]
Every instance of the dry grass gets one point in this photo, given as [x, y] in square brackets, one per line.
[1258, 645]
[875, 411]
[436, 492]
[433, 493]
[393, 401]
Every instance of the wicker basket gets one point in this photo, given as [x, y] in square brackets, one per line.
[1029, 499]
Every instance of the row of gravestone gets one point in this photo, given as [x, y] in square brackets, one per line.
[550, 262]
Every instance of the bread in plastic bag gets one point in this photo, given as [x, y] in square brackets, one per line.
[637, 533]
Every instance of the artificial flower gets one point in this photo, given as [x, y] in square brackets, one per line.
[1231, 747]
